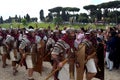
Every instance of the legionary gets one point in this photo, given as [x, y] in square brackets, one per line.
[60, 51]
[90, 54]
[3, 48]
[28, 48]
[12, 45]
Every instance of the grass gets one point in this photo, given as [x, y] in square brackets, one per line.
[45, 25]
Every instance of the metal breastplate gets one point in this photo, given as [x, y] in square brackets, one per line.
[1, 42]
[32, 48]
[89, 47]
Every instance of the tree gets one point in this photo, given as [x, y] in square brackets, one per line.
[64, 12]
[27, 17]
[107, 8]
[19, 19]
[56, 10]
[83, 18]
[92, 11]
[66, 9]
[77, 17]
[42, 18]
[73, 9]
[1, 20]
[64, 15]
[99, 14]
[34, 19]
[68, 16]
[58, 21]
[16, 18]
[9, 19]
[49, 18]
[24, 22]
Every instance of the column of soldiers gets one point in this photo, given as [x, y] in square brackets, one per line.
[22, 47]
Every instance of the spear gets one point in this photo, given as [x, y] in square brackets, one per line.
[21, 61]
[58, 68]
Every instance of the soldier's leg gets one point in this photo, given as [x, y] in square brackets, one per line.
[14, 68]
[71, 68]
[91, 69]
[13, 59]
[89, 76]
[107, 60]
[30, 74]
[30, 67]
[57, 72]
[56, 75]
[4, 57]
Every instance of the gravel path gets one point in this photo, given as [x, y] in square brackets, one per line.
[112, 75]
[6, 73]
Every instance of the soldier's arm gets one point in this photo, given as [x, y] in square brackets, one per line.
[55, 57]
[38, 40]
[22, 49]
[7, 42]
[91, 55]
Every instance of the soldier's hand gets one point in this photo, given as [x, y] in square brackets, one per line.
[88, 57]
[7, 48]
[23, 55]
[60, 65]
[77, 64]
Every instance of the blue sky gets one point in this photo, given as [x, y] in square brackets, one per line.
[32, 7]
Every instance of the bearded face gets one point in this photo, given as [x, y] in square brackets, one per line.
[71, 35]
[33, 34]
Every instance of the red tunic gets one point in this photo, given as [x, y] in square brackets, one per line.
[68, 41]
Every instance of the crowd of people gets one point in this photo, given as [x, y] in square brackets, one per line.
[22, 45]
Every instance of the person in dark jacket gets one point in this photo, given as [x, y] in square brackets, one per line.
[108, 61]
[112, 46]
[100, 57]
[117, 54]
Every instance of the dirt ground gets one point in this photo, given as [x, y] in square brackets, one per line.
[112, 75]
[6, 73]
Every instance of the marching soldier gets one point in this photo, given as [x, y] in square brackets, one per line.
[28, 48]
[90, 53]
[12, 45]
[3, 48]
[60, 49]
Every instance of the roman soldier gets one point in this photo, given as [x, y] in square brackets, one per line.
[90, 53]
[50, 42]
[28, 48]
[12, 45]
[3, 48]
[60, 50]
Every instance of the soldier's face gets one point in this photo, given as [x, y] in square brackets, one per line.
[72, 34]
[119, 35]
[33, 34]
[15, 31]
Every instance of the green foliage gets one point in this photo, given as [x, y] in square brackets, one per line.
[27, 17]
[24, 22]
[45, 25]
[49, 18]
[57, 20]
[109, 15]
[42, 18]
[14, 25]
[64, 16]
[1, 20]
[10, 19]
[83, 18]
